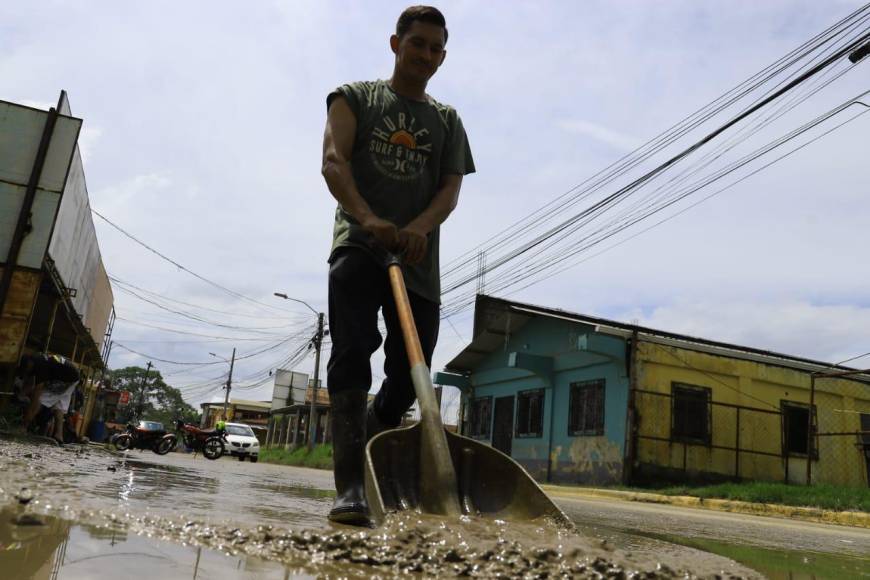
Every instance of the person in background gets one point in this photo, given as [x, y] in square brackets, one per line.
[49, 382]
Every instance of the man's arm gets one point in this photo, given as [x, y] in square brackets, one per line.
[337, 151]
[412, 238]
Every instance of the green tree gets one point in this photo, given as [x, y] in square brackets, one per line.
[150, 397]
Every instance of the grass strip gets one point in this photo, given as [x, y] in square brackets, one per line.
[318, 458]
[824, 496]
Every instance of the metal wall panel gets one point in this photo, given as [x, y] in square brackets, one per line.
[42, 219]
[101, 306]
[76, 252]
[73, 246]
[20, 132]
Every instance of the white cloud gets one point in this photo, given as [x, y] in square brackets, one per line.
[829, 333]
[88, 139]
[127, 196]
[600, 133]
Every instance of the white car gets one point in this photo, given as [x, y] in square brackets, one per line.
[241, 442]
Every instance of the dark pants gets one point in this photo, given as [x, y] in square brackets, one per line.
[358, 288]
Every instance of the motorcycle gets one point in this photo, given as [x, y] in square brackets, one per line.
[146, 435]
[211, 442]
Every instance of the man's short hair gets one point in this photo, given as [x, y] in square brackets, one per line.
[428, 14]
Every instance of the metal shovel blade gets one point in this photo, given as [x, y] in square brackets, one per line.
[489, 483]
[428, 469]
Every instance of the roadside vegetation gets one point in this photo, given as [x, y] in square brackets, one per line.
[822, 496]
[318, 458]
[150, 397]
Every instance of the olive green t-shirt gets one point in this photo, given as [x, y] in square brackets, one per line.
[401, 150]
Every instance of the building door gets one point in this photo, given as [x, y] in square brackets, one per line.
[865, 439]
[503, 424]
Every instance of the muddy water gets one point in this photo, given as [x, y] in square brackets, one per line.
[67, 508]
[140, 482]
[52, 547]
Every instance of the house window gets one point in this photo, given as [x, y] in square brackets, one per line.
[795, 422]
[690, 413]
[586, 408]
[481, 417]
[530, 413]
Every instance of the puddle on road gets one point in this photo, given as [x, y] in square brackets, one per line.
[50, 547]
[785, 564]
[182, 515]
[89, 477]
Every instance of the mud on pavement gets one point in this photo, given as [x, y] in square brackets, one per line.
[40, 485]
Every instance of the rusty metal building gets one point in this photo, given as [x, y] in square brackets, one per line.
[55, 294]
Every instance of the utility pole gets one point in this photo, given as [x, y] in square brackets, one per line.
[229, 384]
[141, 404]
[318, 340]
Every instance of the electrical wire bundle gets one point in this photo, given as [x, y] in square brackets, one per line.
[653, 179]
[283, 344]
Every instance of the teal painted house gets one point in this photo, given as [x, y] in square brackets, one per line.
[539, 384]
[556, 390]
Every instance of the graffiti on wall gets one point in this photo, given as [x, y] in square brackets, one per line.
[590, 460]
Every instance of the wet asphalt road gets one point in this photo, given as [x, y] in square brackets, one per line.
[244, 494]
[776, 547]
[628, 521]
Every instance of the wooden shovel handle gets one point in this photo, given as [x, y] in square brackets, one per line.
[406, 317]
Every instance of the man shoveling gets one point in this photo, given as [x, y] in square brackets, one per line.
[393, 158]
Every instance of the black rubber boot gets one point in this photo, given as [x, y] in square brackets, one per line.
[348, 456]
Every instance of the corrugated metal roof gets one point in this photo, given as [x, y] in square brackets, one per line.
[495, 319]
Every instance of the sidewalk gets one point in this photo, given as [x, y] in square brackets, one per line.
[855, 519]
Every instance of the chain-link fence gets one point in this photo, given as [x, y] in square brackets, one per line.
[686, 435]
[842, 431]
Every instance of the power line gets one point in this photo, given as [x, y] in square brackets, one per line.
[179, 331]
[196, 318]
[184, 268]
[851, 359]
[163, 360]
[551, 210]
[191, 341]
[580, 246]
[548, 251]
[687, 208]
[121, 282]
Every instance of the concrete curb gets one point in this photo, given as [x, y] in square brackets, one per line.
[854, 519]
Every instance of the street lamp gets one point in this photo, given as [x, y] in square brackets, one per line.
[318, 339]
[232, 362]
[307, 305]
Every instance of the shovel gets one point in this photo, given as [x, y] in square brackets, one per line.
[426, 468]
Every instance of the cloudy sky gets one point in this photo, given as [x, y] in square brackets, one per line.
[202, 137]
